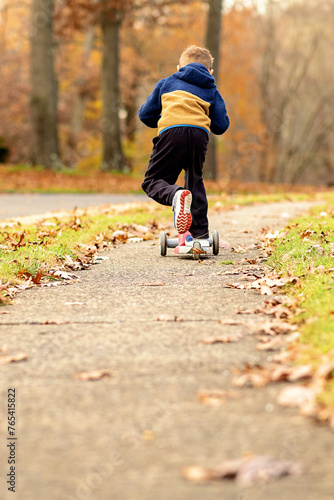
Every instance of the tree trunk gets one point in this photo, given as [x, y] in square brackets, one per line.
[81, 96]
[113, 158]
[212, 43]
[44, 88]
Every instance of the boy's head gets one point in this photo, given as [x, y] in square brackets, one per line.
[194, 54]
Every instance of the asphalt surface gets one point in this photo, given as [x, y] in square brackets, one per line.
[128, 436]
[17, 205]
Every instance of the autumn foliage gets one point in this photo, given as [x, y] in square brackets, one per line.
[273, 76]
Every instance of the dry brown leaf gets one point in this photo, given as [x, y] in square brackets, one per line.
[13, 359]
[231, 321]
[276, 327]
[230, 272]
[270, 345]
[119, 236]
[259, 376]
[239, 249]
[255, 379]
[284, 357]
[277, 342]
[326, 368]
[227, 338]
[92, 375]
[247, 471]
[55, 322]
[266, 290]
[169, 317]
[239, 286]
[296, 396]
[264, 469]
[198, 474]
[216, 397]
[301, 372]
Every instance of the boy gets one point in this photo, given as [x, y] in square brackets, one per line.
[185, 107]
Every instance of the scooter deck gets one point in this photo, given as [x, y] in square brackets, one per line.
[195, 248]
[198, 247]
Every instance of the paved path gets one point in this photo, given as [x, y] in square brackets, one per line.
[17, 205]
[128, 437]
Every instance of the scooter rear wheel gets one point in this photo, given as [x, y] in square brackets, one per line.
[163, 244]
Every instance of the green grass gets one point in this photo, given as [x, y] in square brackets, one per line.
[48, 245]
[307, 250]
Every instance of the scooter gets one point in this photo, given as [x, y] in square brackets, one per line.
[196, 248]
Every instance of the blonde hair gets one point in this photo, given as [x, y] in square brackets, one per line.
[196, 54]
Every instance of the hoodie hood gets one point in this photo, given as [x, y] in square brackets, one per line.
[196, 74]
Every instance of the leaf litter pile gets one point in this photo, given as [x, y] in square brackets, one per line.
[280, 334]
[49, 252]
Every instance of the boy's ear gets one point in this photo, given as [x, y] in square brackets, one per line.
[211, 71]
[178, 67]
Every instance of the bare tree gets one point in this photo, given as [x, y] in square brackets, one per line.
[44, 91]
[113, 158]
[297, 101]
[81, 90]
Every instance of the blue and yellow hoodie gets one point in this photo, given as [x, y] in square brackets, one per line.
[188, 98]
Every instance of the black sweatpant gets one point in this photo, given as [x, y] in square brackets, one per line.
[174, 150]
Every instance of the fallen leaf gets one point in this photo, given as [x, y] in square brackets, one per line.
[63, 275]
[284, 357]
[216, 397]
[35, 278]
[55, 322]
[270, 345]
[247, 471]
[92, 375]
[276, 327]
[14, 358]
[225, 245]
[239, 249]
[296, 396]
[231, 321]
[264, 469]
[169, 317]
[277, 342]
[227, 338]
[265, 290]
[255, 379]
[234, 285]
[198, 474]
[317, 249]
[301, 372]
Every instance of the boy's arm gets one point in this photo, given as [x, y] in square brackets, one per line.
[218, 116]
[150, 111]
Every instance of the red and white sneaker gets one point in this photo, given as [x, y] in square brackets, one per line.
[182, 241]
[181, 206]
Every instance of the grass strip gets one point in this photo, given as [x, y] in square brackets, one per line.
[306, 249]
[26, 248]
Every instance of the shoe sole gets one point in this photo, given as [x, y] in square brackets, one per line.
[184, 219]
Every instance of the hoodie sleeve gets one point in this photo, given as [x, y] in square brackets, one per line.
[218, 115]
[150, 111]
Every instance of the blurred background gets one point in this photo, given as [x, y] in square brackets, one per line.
[75, 72]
